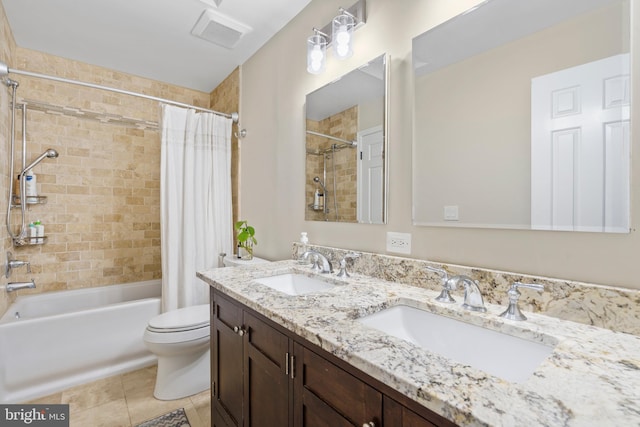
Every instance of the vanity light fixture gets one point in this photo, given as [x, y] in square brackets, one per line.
[317, 52]
[341, 29]
[342, 34]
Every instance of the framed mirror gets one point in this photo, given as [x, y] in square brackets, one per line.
[346, 147]
[522, 117]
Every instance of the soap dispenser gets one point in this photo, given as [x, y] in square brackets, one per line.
[302, 248]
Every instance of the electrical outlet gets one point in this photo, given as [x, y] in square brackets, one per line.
[399, 243]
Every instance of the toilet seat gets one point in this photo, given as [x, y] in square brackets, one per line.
[182, 319]
[181, 325]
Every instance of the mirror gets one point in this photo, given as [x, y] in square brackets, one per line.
[522, 117]
[346, 168]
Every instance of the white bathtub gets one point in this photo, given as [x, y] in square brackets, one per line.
[55, 340]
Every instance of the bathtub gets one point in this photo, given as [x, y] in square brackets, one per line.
[55, 340]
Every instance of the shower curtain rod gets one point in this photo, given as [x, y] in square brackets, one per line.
[351, 143]
[4, 70]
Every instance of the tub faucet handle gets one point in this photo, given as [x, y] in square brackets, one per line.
[14, 263]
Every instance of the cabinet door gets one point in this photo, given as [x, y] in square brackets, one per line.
[226, 362]
[397, 415]
[327, 396]
[266, 377]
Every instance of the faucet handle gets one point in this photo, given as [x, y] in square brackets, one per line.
[513, 311]
[316, 263]
[447, 285]
[14, 263]
[343, 273]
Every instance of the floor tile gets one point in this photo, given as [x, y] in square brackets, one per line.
[126, 400]
[97, 393]
[112, 414]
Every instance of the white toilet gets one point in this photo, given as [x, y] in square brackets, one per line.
[180, 340]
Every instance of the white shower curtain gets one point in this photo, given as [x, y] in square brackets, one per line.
[195, 201]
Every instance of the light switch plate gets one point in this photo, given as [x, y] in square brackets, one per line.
[451, 213]
[399, 243]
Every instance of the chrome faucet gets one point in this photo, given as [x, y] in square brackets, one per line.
[472, 296]
[14, 263]
[16, 286]
[317, 258]
[513, 311]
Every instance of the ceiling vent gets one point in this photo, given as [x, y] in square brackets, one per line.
[219, 29]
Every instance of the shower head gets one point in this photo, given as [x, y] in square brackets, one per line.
[318, 181]
[50, 153]
[4, 69]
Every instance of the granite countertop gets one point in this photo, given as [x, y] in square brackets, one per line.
[592, 377]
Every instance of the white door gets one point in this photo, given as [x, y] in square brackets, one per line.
[371, 175]
[580, 147]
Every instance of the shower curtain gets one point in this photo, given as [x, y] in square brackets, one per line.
[195, 201]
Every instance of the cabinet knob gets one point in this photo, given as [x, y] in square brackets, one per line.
[369, 424]
[239, 330]
[236, 329]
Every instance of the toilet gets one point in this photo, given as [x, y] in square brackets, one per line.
[180, 340]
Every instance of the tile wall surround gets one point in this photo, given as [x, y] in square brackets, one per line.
[226, 99]
[342, 125]
[7, 55]
[102, 218]
[607, 307]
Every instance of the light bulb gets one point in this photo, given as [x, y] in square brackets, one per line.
[342, 37]
[316, 54]
[342, 49]
[316, 65]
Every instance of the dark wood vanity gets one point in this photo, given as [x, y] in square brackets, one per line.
[264, 375]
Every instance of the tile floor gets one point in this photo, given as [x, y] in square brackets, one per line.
[126, 400]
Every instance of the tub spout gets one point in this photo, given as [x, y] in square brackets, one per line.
[16, 286]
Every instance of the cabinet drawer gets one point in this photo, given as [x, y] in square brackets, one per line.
[321, 385]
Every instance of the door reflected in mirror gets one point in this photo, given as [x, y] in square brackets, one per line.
[526, 126]
[346, 149]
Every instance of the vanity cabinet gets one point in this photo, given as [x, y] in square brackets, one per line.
[264, 375]
[248, 365]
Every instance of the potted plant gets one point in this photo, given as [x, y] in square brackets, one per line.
[246, 239]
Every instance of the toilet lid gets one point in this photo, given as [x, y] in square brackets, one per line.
[196, 316]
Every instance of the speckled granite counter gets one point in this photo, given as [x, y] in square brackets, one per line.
[592, 377]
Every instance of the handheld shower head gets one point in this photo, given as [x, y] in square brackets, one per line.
[317, 180]
[50, 153]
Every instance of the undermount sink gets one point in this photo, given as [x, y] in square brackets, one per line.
[510, 358]
[295, 284]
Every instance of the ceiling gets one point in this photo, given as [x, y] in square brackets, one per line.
[151, 38]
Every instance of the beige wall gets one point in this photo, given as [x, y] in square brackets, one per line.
[488, 136]
[102, 218]
[274, 84]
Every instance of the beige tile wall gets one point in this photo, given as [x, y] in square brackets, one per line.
[102, 219]
[7, 50]
[342, 125]
[226, 99]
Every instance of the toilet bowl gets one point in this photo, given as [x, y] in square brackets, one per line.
[180, 340]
